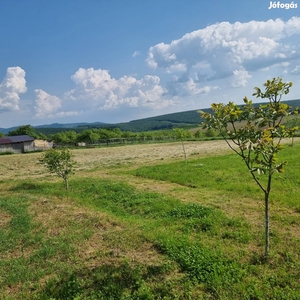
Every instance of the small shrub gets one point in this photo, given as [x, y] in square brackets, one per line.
[59, 162]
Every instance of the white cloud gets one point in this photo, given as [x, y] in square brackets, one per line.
[194, 68]
[46, 105]
[296, 70]
[96, 89]
[218, 50]
[240, 78]
[187, 87]
[12, 85]
[68, 113]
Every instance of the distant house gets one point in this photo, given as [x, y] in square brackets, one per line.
[16, 144]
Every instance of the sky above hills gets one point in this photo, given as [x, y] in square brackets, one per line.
[116, 61]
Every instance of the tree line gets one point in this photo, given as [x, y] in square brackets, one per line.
[95, 135]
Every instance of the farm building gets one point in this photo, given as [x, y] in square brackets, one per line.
[23, 143]
[16, 144]
[42, 145]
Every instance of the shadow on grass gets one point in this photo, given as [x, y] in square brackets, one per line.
[108, 282]
[39, 188]
[28, 186]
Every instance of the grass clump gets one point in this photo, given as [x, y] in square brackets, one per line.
[202, 264]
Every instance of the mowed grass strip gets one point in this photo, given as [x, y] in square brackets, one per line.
[152, 217]
[225, 182]
[227, 173]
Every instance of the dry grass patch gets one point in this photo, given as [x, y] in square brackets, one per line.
[25, 166]
[108, 240]
[4, 219]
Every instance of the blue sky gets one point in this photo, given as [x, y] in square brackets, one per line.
[120, 60]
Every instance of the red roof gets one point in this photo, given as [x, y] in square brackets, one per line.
[15, 139]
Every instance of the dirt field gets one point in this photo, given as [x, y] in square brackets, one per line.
[21, 166]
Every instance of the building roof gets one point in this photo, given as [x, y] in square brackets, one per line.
[16, 139]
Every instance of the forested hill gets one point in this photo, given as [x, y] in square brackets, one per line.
[189, 118]
[180, 119]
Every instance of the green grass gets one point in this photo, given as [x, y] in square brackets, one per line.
[228, 175]
[108, 239]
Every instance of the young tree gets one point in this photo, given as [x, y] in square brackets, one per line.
[182, 134]
[59, 162]
[255, 134]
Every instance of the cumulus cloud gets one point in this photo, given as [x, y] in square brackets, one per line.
[96, 89]
[240, 78]
[46, 105]
[228, 50]
[189, 87]
[11, 87]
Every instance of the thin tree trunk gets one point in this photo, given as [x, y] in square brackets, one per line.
[67, 183]
[267, 221]
[267, 224]
[184, 151]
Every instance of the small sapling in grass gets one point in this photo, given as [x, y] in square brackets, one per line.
[59, 162]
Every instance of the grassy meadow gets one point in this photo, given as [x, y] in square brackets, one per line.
[140, 223]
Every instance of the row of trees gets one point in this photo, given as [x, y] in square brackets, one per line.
[93, 136]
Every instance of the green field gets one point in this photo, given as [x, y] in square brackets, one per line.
[160, 230]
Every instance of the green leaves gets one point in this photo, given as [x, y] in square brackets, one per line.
[274, 89]
[181, 134]
[255, 133]
[59, 162]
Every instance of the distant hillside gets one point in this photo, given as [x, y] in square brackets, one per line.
[6, 130]
[168, 121]
[180, 119]
[68, 125]
[57, 127]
